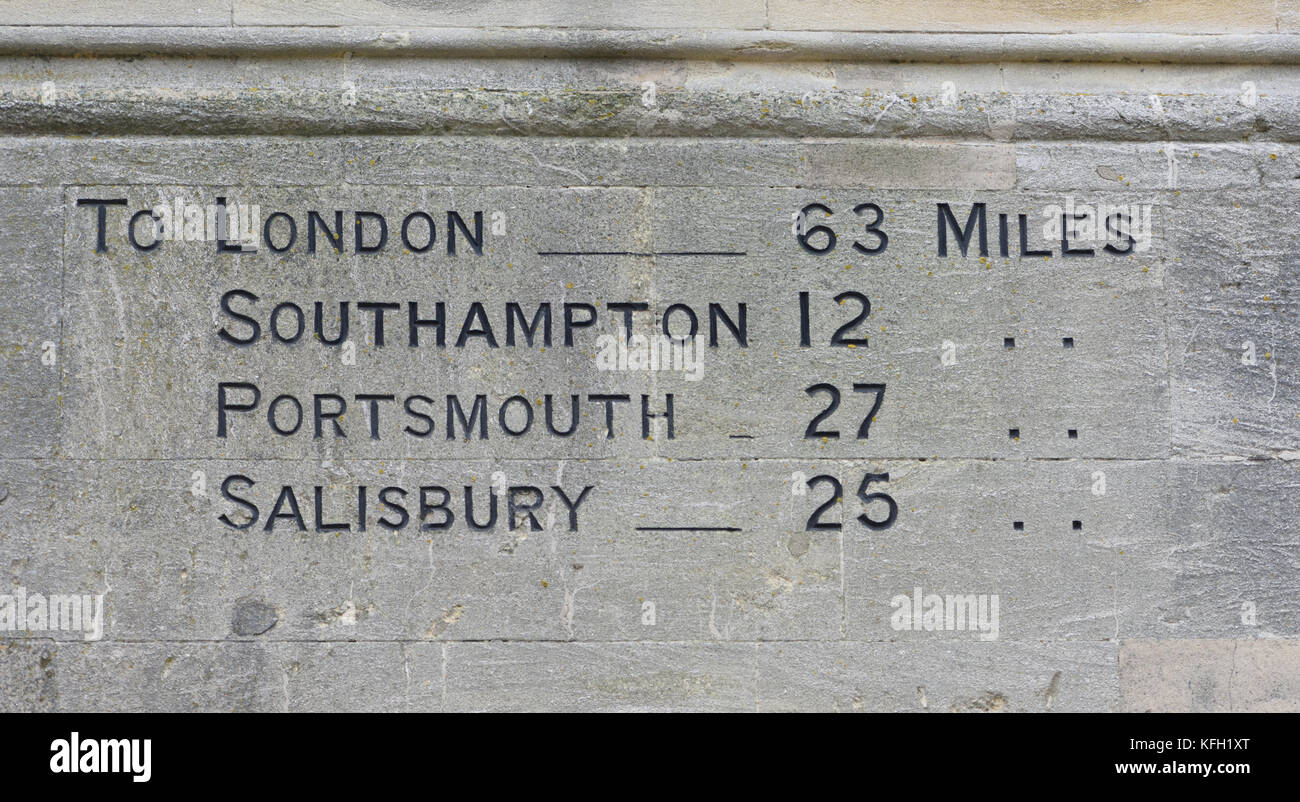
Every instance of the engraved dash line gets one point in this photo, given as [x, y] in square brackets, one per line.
[689, 529]
[642, 253]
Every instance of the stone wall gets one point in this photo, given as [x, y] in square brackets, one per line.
[1107, 446]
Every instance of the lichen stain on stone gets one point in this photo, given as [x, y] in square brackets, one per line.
[347, 614]
[448, 618]
[667, 683]
[989, 702]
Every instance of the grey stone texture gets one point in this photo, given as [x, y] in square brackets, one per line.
[1108, 445]
[1209, 675]
[32, 319]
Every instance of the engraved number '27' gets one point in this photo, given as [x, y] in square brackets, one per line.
[812, 432]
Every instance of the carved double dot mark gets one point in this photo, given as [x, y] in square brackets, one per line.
[1014, 434]
[1019, 526]
[1009, 344]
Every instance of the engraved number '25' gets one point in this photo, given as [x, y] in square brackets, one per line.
[815, 522]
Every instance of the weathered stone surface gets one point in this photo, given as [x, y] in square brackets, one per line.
[1025, 15]
[249, 677]
[27, 677]
[1234, 551]
[1125, 169]
[600, 677]
[833, 96]
[507, 161]
[731, 14]
[116, 12]
[49, 542]
[231, 161]
[1209, 676]
[1233, 324]
[938, 678]
[1106, 447]
[31, 282]
[1055, 581]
